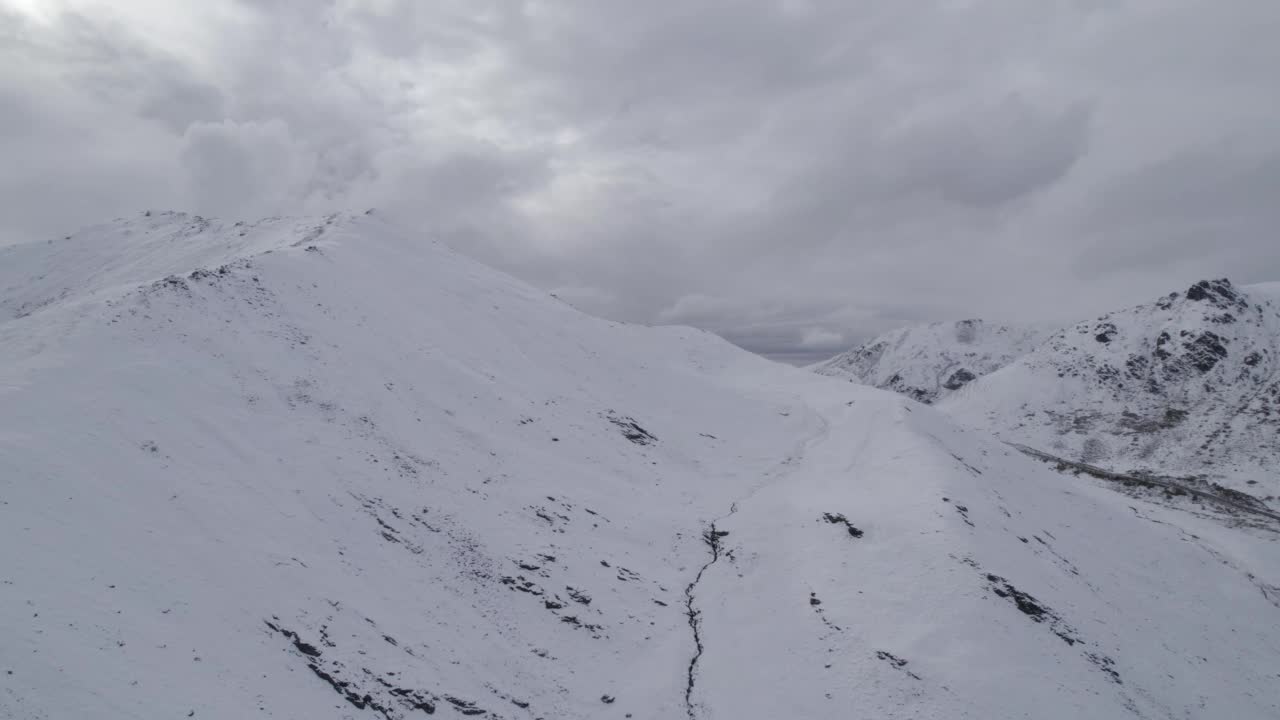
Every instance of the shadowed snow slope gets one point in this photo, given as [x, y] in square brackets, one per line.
[930, 362]
[325, 469]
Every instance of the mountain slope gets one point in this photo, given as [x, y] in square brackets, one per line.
[930, 362]
[1185, 385]
[325, 469]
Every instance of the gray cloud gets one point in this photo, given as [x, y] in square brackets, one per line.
[794, 174]
[994, 156]
[242, 168]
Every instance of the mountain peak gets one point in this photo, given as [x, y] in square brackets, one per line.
[1186, 385]
[1189, 383]
[930, 362]
[109, 259]
[1220, 293]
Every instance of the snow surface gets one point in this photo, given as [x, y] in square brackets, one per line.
[328, 469]
[930, 362]
[1186, 385]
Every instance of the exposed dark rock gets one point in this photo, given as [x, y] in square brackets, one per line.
[1220, 293]
[522, 584]
[1032, 608]
[1205, 351]
[466, 707]
[1104, 332]
[1106, 665]
[891, 658]
[959, 379]
[303, 647]
[896, 662]
[631, 430]
[839, 519]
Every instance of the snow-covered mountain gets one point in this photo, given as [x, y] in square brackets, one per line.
[1185, 385]
[328, 469]
[930, 362]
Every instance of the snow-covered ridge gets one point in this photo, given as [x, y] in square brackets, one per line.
[1187, 384]
[930, 362]
[1184, 385]
[329, 469]
[115, 257]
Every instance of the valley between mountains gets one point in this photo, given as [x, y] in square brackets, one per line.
[327, 468]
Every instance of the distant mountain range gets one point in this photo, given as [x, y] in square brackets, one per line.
[1187, 384]
[930, 362]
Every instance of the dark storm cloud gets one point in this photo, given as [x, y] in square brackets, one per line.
[794, 174]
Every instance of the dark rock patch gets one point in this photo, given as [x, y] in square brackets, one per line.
[521, 584]
[839, 519]
[1106, 665]
[896, 662]
[631, 430]
[1205, 351]
[303, 647]
[1032, 608]
[1219, 293]
[574, 621]
[466, 707]
[959, 379]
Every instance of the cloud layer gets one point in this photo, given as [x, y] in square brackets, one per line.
[794, 174]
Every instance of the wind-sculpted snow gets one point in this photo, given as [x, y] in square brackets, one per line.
[327, 469]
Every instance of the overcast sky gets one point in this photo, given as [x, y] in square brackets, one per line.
[794, 174]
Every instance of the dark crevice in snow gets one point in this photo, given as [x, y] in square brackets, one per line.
[711, 537]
